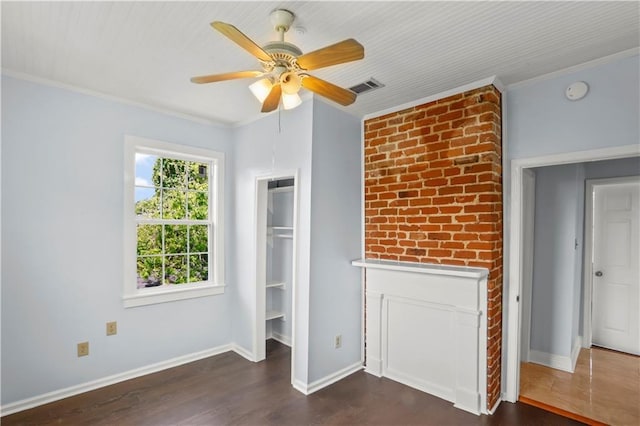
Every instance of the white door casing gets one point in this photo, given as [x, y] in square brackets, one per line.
[615, 266]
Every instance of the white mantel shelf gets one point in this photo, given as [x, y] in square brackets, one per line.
[423, 268]
[427, 328]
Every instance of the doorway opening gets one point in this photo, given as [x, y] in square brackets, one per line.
[515, 290]
[275, 236]
[558, 367]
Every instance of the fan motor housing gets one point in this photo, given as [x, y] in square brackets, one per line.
[283, 54]
[282, 47]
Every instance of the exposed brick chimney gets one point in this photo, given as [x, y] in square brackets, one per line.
[433, 194]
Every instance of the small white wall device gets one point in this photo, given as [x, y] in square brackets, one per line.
[577, 90]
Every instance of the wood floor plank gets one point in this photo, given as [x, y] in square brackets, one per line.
[565, 413]
[228, 390]
[605, 386]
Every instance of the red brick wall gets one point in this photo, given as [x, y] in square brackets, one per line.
[433, 194]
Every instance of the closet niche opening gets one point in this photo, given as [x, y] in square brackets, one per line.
[275, 245]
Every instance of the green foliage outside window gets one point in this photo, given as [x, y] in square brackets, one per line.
[172, 252]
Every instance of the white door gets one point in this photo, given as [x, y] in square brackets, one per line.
[616, 256]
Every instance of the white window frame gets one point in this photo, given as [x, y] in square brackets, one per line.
[132, 295]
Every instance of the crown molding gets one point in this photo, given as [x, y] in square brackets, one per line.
[575, 68]
[493, 80]
[100, 95]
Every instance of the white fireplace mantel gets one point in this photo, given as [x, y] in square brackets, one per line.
[426, 327]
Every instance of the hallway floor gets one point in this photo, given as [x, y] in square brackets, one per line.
[605, 386]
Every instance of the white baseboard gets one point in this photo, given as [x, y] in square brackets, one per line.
[469, 401]
[495, 406]
[285, 340]
[327, 380]
[46, 398]
[559, 362]
[300, 386]
[575, 352]
[248, 355]
[374, 366]
[56, 395]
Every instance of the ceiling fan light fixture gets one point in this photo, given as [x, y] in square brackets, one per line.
[290, 82]
[290, 101]
[261, 89]
[285, 67]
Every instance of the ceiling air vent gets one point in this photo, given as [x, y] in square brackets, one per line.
[367, 86]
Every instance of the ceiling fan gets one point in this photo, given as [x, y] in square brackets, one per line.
[284, 66]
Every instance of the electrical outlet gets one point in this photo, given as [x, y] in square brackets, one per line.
[338, 341]
[112, 328]
[83, 349]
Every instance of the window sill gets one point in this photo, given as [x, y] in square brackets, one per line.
[152, 296]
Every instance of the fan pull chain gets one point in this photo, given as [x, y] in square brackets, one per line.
[273, 146]
[273, 157]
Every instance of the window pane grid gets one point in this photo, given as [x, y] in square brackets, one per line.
[192, 253]
[180, 188]
[176, 265]
[145, 221]
[162, 187]
[180, 206]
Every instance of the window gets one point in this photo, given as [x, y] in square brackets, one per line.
[173, 222]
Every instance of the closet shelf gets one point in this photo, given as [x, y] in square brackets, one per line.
[274, 315]
[281, 189]
[276, 284]
[287, 236]
[280, 231]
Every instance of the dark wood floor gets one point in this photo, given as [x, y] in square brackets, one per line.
[227, 389]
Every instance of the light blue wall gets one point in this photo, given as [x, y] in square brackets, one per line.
[336, 235]
[62, 243]
[265, 147]
[554, 259]
[542, 121]
[613, 168]
[558, 282]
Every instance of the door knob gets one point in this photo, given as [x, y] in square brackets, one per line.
[598, 273]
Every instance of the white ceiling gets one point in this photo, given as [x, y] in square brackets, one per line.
[147, 51]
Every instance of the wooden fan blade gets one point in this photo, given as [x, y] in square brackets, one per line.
[226, 76]
[328, 90]
[273, 99]
[339, 53]
[241, 40]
